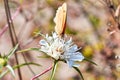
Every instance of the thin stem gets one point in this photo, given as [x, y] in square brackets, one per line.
[13, 17]
[7, 26]
[24, 57]
[54, 69]
[6, 10]
[42, 73]
[12, 33]
[28, 65]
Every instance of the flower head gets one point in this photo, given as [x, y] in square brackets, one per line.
[58, 47]
[61, 49]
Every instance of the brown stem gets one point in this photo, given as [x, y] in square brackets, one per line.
[12, 33]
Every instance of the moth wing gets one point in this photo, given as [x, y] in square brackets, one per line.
[60, 19]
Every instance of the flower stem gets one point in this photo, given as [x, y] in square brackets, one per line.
[54, 69]
[42, 73]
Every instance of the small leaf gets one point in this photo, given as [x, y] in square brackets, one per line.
[15, 67]
[79, 72]
[90, 61]
[11, 70]
[53, 70]
[12, 51]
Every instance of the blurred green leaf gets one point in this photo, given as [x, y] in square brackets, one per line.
[70, 31]
[94, 20]
[17, 66]
[79, 72]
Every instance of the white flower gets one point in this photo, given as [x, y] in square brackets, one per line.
[61, 49]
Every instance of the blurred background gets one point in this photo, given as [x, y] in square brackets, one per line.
[91, 24]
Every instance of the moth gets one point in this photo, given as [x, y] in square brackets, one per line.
[60, 20]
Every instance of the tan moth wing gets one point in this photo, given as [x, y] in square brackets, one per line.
[60, 20]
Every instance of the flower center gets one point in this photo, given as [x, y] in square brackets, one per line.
[60, 49]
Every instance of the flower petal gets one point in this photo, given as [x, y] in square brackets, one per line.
[73, 49]
[69, 42]
[55, 35]
[43, 42]
[44, 49]
[77, 56]
[70, 63]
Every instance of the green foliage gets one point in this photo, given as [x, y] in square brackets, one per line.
[4, 61]
[35, 32]
[10, 69]
[51, 25]
[94, 20]
[70, 31]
